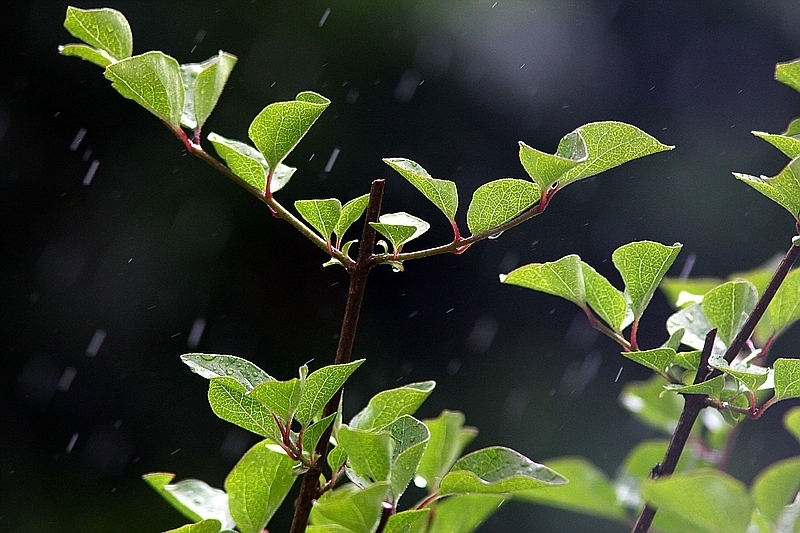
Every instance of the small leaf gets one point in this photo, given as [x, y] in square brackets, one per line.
[314, 432]
[562, 278]
[497, 470]
[87, 53]
[336, 458]
[751, 376]
[789, 73]
[357, 510]
[651, 404]
[589, 490]
[280, 397]
[321, 214]
[464, 513]
[499, 201]
[153, 80]
[206, 526]
[658, 359]
[776, 486]
[708, 500]
[249, 164]
[257, 486]
[790, 146]
[783, 189]
[442, 193]
[448, 438]
[784, 309]
[281, 125]
[728, 306]
[194, 499]
[212, 366]
[605, 300]
[642, 265]
[351, 211]
[229, 402]
[389, 405]
[203, 83]
[410, 521]
[546, 169]
[787, 378]
[688, 360]
[400, 228]
[321, 385]
[410, 439]
[105, 29]
[791, 421]
[712, 388]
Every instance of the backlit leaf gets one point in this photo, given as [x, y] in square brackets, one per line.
[410, 521]
[206, 526]
[280, 397]
[776, 486]
[658, 359]
[369, 454]
[358, 510]
[212, 366]
[605, 300]
[229, 402]
[313, 433]
[321, 214]
[320, 387]
[464, 513]
[448, 438]
[712, 388]
[787, 144]
[784, 308]
[410, 439]
[546, 169]
[787, 378]
[728, 306]
[789, 73]
[389, 405]
[499, 201]
[106, 30]
[203, 83]
[695, 325]
[562, 278]
[682, 292]
[442, 193]
[400, 228]
[195, 499]
[87, 53]
[791, 421]
[249, 164]
[642, 265]
[751, 376]
[351, 211]
[784, 189]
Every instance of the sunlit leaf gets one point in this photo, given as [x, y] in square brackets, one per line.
[688, 360]
[442, 193]
[358, 510]
[400, 228]
[448, 438]
[206, 526]
[499, 201]
[389, 405]
[249, 164]
[203, 83]
[784, 189]
[695, 325]
[410, 437]
[712, 387]
[464, 513]
[642, 265]
[87, 53]
[776, 486]
[229, 402]
[605, 300]
[351, 211]
[314, 432]
[751, 376]
[106, 30]
[195, 499]
[257, 486]
[784, 308]
[728, 306]
[562, 278]
[658, 359]
[546, 169]
[787, 144]
[369, 454]
[410, 521]
[651, 404]
[212, 366]
[789, 73]
[321, 214]
[320, 387]
[280, 397]
[787, 378]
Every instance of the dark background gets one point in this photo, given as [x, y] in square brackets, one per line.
[158, 243]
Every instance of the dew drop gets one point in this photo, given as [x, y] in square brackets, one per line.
[207, 357]
[494, 236]
[395, 269]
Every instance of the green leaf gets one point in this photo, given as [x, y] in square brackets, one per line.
[589, 491]
[776, 486]
[336, 458]
[684, 292]
[280, 126]
[351, 211]
[499, 201]
[784, 309]
[442, 193]
[369, 454]
[389, 405]
[787, 144]
[327, 528]
[105, 29]
[280, 397]
[411, 521]
[229, 402]
[651, 404]
[712, 388]
[400, 228]
[257, 486]
[789, 73]
[249, 164]
[448, 438]
[497, 470]
[357, 510]
[153, 80]
[203, 83]
[783, 189]
[562, 278]
[787, 378]
[87, 53]
[728, 306]
[751, 376]
[636, 467]
[708, 500]
[642, 265]
[410, 439]
[608, 145]
[791, 421]
[212, 366]
[464, 513]
[314, 432]
[695, 325]
[658, 359]
[605, 300]
[546, 169]
[206, 526]
[321, 214]
[321, 385]
[688, 360]
[194, 499]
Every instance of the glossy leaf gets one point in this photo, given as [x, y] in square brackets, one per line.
[106, 30]
[648, 401]
[442, 193]
[410, 439]
[605, 300]
[320, 387]
[369, 454]
[791, 421]
[321, 214]
[153, 80]
[400, 228]
[357, 510]
[789, 73]
[787, 144]
[212, 366]
[695, 325]
[589, 490]
[229, 402]
[194, 499]
[546, 169]
[351, 211]
[313, 433]
[203, 83]
[642, 265]
[448, 438]
[87, 53]
[497, 470]
[751, 376]
[776, 486]
[712, 388]
[206, 526]
[257, 486]
[389, 405]
[280, 126]
[784, 188]
[411, 521]
[562, 278]
[658, 359]
[280, 397]
[464, 513]
[728, 306]
[787, 378]
[707, 499]
[784, 309]
[499, 201]
[249, 164]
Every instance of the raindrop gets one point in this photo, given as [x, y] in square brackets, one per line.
[453, 367]
[72, 442]
[407, 86]
[199, 36]
[176, 451]
[332, 160]
[198, 501]
[420, 482]
[96, 342]
[66, 379]
[197, 331]
[494, 236]
[207, 357]
[482, 335]
[352, 96]
[395, 269]
[76, 142]
[412, 314]
[324, 17]
[616, 379]
[87, 179]
[449, 311]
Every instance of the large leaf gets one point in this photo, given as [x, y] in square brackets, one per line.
[280, 126]
[400, 228]
[787, 378]
[229, 401]
[776, 486]
[389, 405]
[351, 211]
[648, 401]
[410, 437]
[442, 193]
[784, 308]
[708, 500]
[448, 438]
[464, 513]
[153, 80]
[280, 397]
[320, 387]
[105, 30]
[357, 510]
[257, 486]
[589, 490]
[369, 454]
[212, 366]
[203, 83]
[249, 164]
[695, 326]
[642, 265]
[728, 306]
[562, 278]
[789, 73]
[787, 144]
[321, 214]
[784, 189]
[546, 169]
[195, 499]
[411, 521]
[499, 201]
[206, 526]
[497, 470]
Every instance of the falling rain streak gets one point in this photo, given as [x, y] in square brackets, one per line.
[76, 142]
[96, 342]
[65, 381]
[324, 17]
[332, 160]
[72, 442]
[197, 331]
[87, 179]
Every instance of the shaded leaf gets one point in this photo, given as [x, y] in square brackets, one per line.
[605, 300]
[791, 421]
[106, 30]
[651, 404]
[212, 366]
[642, 265]
[776, 486]
[320, 387]
[784, 308]
[448, 438]
[464, 513]
[195, 499]
[313, 433]
[411, 521]
[787, 378]
[499, 201]
[203, 83]
[751, 376]
[727, 307]
[400, 228]
[410, 439]
[358, 510]
[369, 454]
[783, 189]
[658, 359]
[389, 405]
[229, 402]
[688, 360]
[257, 486]
[249, 164]
[351, 211]
[336, 458]
[684, 292]
[712, 388]
[546, 169]
[280, 397]
[321, 214]
[442, 193]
